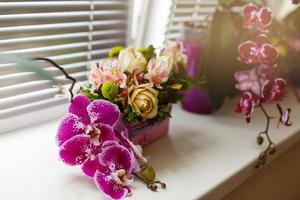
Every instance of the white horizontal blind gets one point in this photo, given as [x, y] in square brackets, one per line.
[188, 11]
[72, 33]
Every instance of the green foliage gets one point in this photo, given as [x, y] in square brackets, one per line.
[89, 93]
[148, 52]
[114, 52]
[219, 61]
[130, 116]
[110, 90]
[28, 64]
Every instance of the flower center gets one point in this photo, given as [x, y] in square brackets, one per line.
[120, 177]
[94, 134]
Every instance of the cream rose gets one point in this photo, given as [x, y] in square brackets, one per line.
[132, 60]
[143, 100]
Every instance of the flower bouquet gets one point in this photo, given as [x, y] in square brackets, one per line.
[131, 90]
[143, 84]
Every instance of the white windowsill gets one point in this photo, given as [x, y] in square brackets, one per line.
[203, 157]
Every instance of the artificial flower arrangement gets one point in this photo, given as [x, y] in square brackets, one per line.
[130, 87]
[260, 85]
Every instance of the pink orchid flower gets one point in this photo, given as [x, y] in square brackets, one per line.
[246, 105]
[113, 176]
[82, 132]
[259, 18]
[157, 74]
[108, 70]
[284, 116]
[273, 90]
[259, 52]
[248, 80]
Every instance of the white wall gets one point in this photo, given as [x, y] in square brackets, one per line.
[156, 21]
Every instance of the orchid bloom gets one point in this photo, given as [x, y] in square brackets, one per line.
[108, 70]
[259, 18]
[284, 116]
[273, 90]
[246, 105]
[157, 72]
[84, 129]
[259, 52]
[248, 80]
[115, 166]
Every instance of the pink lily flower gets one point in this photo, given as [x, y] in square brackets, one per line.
[259, 18]
[82, 132]
[108, 70]
[259, 52]
[157, 74]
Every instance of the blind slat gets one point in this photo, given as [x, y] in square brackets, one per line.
[72, 33]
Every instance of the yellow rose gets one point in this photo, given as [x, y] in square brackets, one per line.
[132, 60]
[143, 100]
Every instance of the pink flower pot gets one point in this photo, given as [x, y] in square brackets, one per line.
[144, 133]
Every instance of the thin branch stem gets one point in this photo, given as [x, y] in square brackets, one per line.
[271, 146]
[73, 80]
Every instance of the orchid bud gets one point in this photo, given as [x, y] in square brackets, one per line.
[148, 173]
[259, 140]
[272, 150]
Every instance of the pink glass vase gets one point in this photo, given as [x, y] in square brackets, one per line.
[195, 100]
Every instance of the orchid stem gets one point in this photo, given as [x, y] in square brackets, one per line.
[73, 80]
[271, 146]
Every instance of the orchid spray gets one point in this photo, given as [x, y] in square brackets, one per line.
[259, 85]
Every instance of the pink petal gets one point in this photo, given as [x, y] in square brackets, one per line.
[79, 108]
[116, 157]
[260, 40]
[269, 54]
[246, 51]
[73, 151]
[109, 187]
[89, 167]
[102, 111]
[70, 126]
[265, 16]
[107, 133]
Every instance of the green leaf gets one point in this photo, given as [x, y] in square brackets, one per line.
[148, 52]
[114, 52]
[219, 61]
[28, 64]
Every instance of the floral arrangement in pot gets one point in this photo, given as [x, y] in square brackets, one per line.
[129, 93]
[143, 84]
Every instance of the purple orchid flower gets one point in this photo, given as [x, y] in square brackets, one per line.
[113, 176]
[82, 132]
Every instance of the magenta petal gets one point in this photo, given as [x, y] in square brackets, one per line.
[74, 150]
[102, 111]
[89, 167]
[70, 126]
[79, 108]
[107, 133]
[116, 157]
[107, 185]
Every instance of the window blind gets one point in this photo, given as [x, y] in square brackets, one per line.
[188, 11]
[72, 33]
